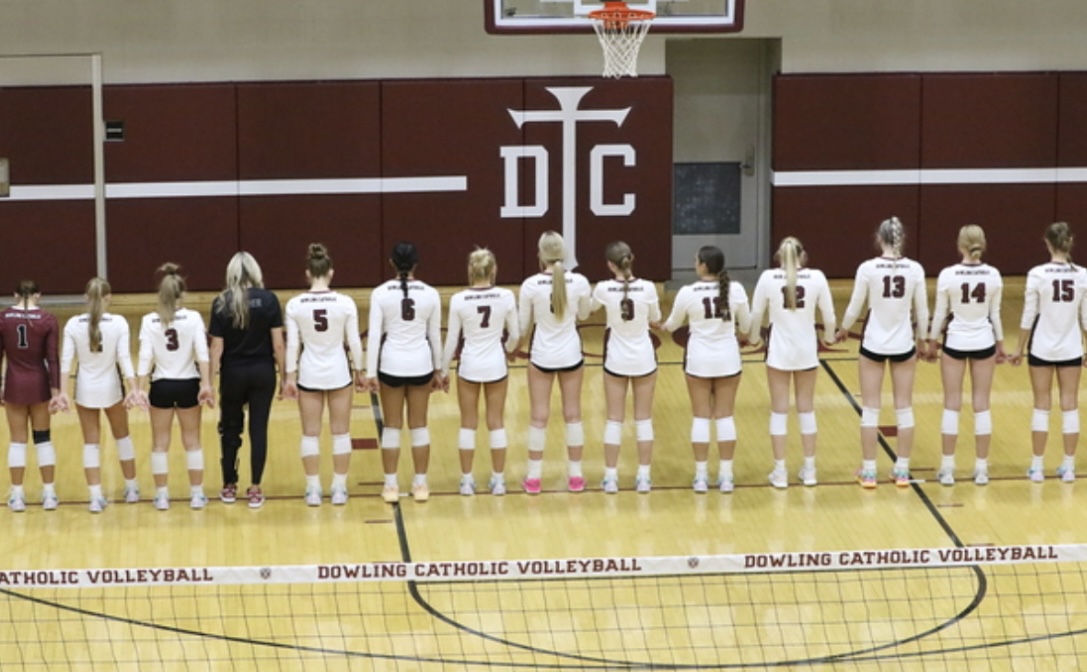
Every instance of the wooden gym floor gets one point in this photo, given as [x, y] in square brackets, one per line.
[670, 521]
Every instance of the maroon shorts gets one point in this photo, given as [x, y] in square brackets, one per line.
[26, 388]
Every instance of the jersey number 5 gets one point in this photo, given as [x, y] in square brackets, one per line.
[320, 319]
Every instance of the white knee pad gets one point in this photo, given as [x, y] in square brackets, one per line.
[160, 463]
[779, 424]
[869, 417]
[949, 423]
[498, 438]
[807, 422]
[904, 417]
[310, 446]
[420, 436]
[613, 433]
[341, 444]
[17, 455]
[390, 438]
[700, 430]
[1070, 422]
[983, 423]
[91, 457]
[644, 429]
[726, 429]
[47, 454]
[537, 439]
[125, 450]
[1039, 420]
[575, 434]
[194, 459]
[466, 439]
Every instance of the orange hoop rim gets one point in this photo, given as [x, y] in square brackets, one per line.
[619, 12]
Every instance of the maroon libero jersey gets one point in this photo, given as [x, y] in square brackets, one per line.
[28, 339]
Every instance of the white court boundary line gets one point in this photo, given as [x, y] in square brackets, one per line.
[538, 569]
[853, 178]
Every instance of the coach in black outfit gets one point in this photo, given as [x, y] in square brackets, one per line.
[246, 349]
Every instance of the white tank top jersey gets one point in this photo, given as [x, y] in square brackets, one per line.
[170, 352]
[98, 384]
[556, 343]
[628, 349]
[712, 349]
[1055, 311]
[892, 287]
[970, 294]
[483, 316]
[405, 332]
[318, 324]
[793, 344]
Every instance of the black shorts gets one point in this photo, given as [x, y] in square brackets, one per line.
[401, 381]
[314, 389]
[623, 375]
[1038, 361]
[970, 354]
[562, 369]
[169, 393]
[894, 359]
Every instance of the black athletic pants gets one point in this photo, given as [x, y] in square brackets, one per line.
[255, 385]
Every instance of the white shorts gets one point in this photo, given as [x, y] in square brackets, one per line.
[712, 360]
[98, 393]
[791, 358]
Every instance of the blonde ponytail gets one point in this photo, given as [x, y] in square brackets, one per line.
[97, 291]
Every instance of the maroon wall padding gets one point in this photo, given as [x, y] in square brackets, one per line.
[1072, 208]
[277, 230]
[837, 225]
[989, 120]
[199, 233]
[847, 122]
[1014, 217]
[1072, 122]
[47, 135]
[648, 127]
[173, 133]
[459, 136]
[311, 130]
[51, 242]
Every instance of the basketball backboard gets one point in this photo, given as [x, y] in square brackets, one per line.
[570, 16]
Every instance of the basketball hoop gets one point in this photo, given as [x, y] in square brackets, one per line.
[621, 31]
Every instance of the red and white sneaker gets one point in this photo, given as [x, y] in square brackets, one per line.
[255, 497]
[532, 486]
[576, 484]
[229, 493]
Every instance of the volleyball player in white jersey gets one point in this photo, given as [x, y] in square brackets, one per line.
[99, 342]
[404, 363]
[319, 323]
[630, 360]
[790, 296]
[716, 309]
[549, 306]
[481, 319]
[969, 292]
[1054, 315]
[174, 354]
[893, 286]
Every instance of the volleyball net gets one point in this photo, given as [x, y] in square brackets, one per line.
[989, 608]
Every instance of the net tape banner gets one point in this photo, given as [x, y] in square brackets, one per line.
[537, 569]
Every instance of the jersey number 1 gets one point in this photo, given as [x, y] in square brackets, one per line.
[23, 343]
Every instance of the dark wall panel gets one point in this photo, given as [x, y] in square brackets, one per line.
[47, 135]
[277, 230]
[837, 225]
[989, 120]
[1072, 208]
[847, 122]
[648, 128]
[51, 242]
[1014, 217]
[172, 133]
[1072, 148]
[306, 130]
[461, 136]
[201, 234]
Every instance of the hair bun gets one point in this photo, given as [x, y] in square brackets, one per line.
[169, 268]
[317, 251]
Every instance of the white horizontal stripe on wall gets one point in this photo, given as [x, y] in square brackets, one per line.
[856, 178]
[372, 185]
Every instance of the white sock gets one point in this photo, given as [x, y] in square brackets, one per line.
[643, 471]
[700, 470]
[724, 469]
[947, 462]
[313, 482]
[809, 462]
[981, 464]
[498, 475]
[339, 481]
[131, 484]
[1037, 462]
[162, 492]
[96, 491]
[902, 463]
[418, 479]
[535, 469]
[16, 491]
[48, 489]
[779, 464]
[1069, 462]
[611, 473]
[868, 465]
[390, 481]
[573, 469]
[196, 490]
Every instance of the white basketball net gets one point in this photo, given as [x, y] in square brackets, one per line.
[621, 37]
